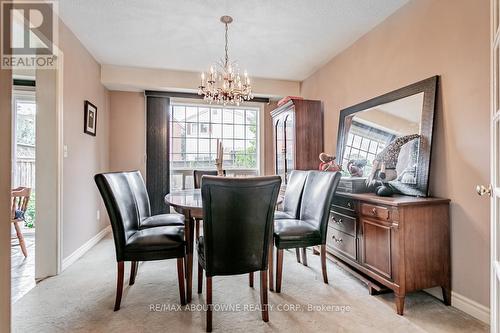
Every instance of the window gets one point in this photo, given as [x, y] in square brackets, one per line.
[23, 142]
[359, 147]
[193, 140]
[364, 143]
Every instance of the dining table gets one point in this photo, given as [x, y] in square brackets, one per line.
[190, 204]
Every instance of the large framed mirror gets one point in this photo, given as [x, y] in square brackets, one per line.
[389, 138]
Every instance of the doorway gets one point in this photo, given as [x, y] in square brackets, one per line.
[23, 226]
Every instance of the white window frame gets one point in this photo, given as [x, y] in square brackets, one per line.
[259, 137]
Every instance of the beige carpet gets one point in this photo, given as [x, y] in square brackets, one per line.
[81, 300]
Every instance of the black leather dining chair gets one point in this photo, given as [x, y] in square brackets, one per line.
[311, 226]
[131, 242]
[197, 175]
[238, 222]
[144, 207]
[293, 196]
[146, 220]
[291, 209]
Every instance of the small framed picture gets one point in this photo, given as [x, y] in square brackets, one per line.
[90, 124]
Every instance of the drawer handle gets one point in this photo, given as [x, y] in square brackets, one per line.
[339, 221]
[374, 211]
[337, 240]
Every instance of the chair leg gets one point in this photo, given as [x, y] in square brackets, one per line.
[200, 278]
[119, 285]
[197, 228]
[250, 279]
[180, 277]
[279, 269]
[263, 295]
[20, 237]
[323, 263]
[271, 267]
[133, 273]
[304, 256]
[297, 254]
[209, 304]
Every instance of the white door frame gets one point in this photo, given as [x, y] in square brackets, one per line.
[49, 170]
[493, 190]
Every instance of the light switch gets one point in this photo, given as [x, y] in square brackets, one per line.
[65, 151]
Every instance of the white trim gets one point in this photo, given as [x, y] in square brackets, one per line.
[50, 95]
[60, 159]
[73, 257]
[464, 304]
[494, 166]
[262, 140]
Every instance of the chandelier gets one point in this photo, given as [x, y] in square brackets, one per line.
[223, 83]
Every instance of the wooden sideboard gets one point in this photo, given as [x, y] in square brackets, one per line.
[400, 242]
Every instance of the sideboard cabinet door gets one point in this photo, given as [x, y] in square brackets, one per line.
[376, 244]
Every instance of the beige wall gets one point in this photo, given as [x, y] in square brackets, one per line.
[140, 79]
[449, 38]
[5, 174]
[87, 155]
[127, 136]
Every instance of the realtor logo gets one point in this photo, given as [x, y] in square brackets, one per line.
[28, 34]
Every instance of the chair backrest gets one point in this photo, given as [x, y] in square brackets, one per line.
[237, 223]
[140, 192]
[20, 199]
[121, 206]
[293, 193]
[317, 198]
[197, 174]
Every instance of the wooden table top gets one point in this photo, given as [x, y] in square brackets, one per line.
[189, 199]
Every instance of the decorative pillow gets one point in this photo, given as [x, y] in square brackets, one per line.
[19, 215]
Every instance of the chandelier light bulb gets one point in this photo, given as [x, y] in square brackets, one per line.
[224, 85]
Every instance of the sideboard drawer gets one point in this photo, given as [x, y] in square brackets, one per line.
[343, 203]
[378, 212]
[343, 223]
[342, 242]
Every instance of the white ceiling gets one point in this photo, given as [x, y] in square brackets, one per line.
[279, 39]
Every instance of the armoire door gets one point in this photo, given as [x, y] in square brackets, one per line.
[279, 149]
[289, 130]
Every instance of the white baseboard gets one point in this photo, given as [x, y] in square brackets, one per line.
[464, 304]
[73, 257]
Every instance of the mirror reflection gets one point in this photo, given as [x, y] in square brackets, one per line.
[382, 142]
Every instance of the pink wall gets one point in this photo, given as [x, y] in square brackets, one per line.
[87, 155]
[449, 38]
[127, 131]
